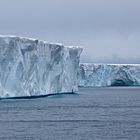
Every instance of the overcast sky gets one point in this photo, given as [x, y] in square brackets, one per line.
[109, 30]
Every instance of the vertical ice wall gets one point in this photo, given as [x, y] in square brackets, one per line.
[102, 75]
[33, 67]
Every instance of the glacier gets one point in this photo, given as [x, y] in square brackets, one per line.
[104, 75]
[31, 67]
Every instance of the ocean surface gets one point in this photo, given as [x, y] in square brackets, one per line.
[92, 114]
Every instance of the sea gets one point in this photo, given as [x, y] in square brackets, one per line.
[111, 113]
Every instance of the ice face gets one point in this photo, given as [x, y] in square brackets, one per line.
[33, 67]
[102, 75]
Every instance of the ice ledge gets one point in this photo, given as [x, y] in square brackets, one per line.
[31, 67]
[43, 41]
[102, 75]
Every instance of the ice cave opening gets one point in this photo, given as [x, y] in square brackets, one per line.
[122, 82]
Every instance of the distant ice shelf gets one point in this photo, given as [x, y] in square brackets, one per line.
[30, 67]
[103, 75]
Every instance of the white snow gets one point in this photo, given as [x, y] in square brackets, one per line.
[102, 75]
[33, 67]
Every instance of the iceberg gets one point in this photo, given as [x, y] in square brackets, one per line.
[31, 67]
[103, 75]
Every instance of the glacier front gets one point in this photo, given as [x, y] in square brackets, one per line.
[103, 75]
[30, 67]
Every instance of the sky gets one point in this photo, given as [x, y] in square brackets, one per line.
[108, 30]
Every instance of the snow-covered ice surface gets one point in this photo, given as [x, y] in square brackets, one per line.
[102, 75]
[30, 67]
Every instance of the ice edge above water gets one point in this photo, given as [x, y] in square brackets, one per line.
[104, 75]
[31, 67]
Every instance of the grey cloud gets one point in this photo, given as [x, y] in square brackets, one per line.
[103, 27]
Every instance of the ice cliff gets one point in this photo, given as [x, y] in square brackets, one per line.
[31, 67]
[102, 75]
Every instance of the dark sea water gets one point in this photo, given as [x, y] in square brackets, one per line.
[93, 114]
